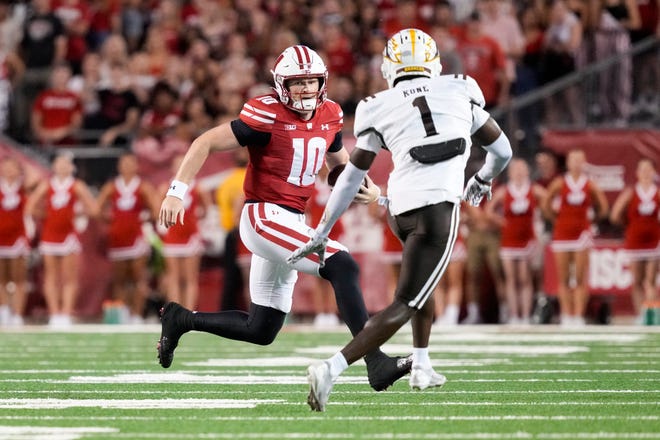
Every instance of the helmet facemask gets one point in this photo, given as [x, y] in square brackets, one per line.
[300, 62]
[410, 52]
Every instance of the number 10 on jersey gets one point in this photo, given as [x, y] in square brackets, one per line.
[307, 160]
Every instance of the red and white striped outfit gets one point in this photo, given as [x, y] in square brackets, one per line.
[572, 228]
[13, 238]
[517, 239]
[642, 235]
[58, 233]
[125, 238]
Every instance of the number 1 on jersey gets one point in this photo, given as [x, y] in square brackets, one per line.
[425, 111]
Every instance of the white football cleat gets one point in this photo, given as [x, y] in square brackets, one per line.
[422, 378]
[320, 385]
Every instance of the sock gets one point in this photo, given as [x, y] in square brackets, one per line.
[420, 357]
[337, 365]
[451, 313]
[473, 309]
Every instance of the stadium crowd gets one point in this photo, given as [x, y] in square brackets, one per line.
[145, 77]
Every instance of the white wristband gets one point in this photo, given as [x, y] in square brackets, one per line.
[177, 189]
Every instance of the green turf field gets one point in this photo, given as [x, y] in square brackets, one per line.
[99, 382]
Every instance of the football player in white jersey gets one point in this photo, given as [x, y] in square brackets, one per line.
[426, 121]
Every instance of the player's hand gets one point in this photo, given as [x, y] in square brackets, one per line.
[315, 245]
[171, 210]
[369, 191]
[476, 189]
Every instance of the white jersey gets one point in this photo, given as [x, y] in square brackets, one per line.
[418, 112]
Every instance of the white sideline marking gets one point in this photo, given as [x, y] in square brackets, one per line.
[133, 404]
[50, 433]
[208, 379]
[524, 350]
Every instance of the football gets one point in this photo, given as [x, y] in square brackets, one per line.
[334, 173]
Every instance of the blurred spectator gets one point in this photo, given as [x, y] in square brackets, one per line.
[105, 21]
[646, 69]
[483, 246]
[514, 207]
[113, 51]
[217, 20]
[572, 236]
[86, 83]
[183, 247]
[134, 20]
[561, 42]
[500, 23]
[229, 199]
[614, 19]
[156, 142]
[130, 201]
[60, 245]
[637, 208]
[142, 78]
[12, 15]
[449, 56]
[42, 47]
[11, 73]
[338, 49]
[195, 120]
[405, 15]
[167, 18]
[57, 112]
[76, 18]
[14, 246]
[119, 110]
[484, 61]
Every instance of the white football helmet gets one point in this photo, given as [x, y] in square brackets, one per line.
[410, 52]
[300, 62]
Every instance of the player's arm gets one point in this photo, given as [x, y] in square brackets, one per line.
[620, 205]
[219, 138]
[602, 206]
[87, 199]
[546, 205]
[368, 191]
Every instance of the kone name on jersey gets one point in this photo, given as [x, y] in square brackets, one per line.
[408, 92]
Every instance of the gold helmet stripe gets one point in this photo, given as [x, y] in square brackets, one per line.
[412, 40]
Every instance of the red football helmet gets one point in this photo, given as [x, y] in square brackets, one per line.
[300, 62]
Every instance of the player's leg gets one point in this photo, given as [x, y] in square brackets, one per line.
[69, 272]
[581, 291]
[525, 298]
[50, 281]
[650, 275]
[429, 235]
[509, 268]
[140, 285]
[18, 273]
[563, 293]
[190, 280]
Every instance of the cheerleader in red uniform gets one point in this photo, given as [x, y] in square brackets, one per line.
[323, 297]
[637, 208]
[449, 292]
[183, 247]
[14, 247]
[571, 238]
[130, 203]
[514, 206]
[60, 246]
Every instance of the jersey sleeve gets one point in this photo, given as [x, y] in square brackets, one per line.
[474, 92]
[367, 134]
[260, 113]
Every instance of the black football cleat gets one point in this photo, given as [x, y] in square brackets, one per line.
[385, 370]
[172, 318]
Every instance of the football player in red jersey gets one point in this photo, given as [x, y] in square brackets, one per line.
[288, 134]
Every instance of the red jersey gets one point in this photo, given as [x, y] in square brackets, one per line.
[643, 228]
[60, 211]
[127, 206]
[284, 171]
[519, 207]
[57, 108]
[181, 233]
[573, 216]
[12, 203]
[316, 206]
